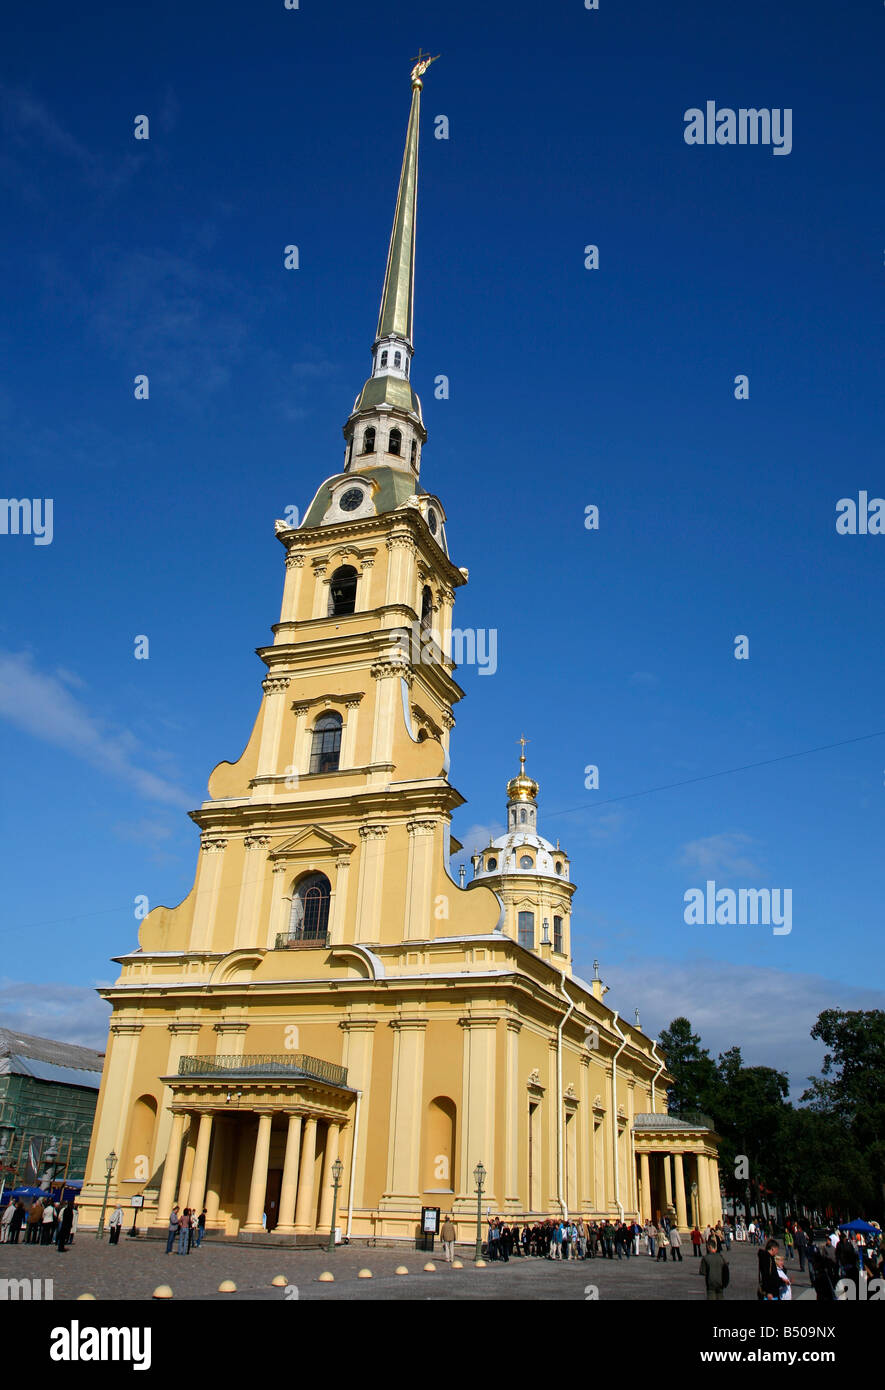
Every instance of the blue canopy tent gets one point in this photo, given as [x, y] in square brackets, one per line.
[859, 1225]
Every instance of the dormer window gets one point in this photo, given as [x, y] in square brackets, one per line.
[384, 358]
[397, 359]
[369, 440]
[395, 442]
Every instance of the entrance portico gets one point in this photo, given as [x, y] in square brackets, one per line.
[677, 1171]
[253, 1140]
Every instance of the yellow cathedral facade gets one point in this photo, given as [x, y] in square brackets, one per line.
[328, 1000]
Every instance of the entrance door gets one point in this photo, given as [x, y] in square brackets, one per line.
[272, 1196]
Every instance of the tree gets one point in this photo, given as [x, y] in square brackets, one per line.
[693, 1070]
[851, 1089]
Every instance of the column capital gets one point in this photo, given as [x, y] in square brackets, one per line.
[185, 1028]
[358, 1025]
[408, 1024]
[275, 685]
[479, 1021]
[133, 1029]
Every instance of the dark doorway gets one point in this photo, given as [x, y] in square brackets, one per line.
[272, 1196]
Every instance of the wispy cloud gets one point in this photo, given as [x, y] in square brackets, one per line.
[767, 1013]
[67, 1013]
[721, 854]
[43, 705]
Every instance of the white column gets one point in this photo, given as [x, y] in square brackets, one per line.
[419, 880]
[478, 1107]
[404, 1130]
[291, 588]
[289, 1190]
[359, 1037]
[305, 1208]
[274, 688]
[182, 1043]
[208, 886]
[371, 870]
[170, 1170]
[511, 1119]
[338, 906]
[201, 1163]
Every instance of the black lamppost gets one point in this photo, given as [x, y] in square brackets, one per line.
[694, 1201]
[479, 1177]
[337, 1170]
[110, 1164]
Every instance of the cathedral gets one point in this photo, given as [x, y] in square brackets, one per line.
[330, 1028]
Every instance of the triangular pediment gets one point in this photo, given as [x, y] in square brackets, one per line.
[309, 842]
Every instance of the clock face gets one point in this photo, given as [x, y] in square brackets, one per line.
[351, 499]
[432, 521]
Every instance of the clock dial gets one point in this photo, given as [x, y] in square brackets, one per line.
[351, 499]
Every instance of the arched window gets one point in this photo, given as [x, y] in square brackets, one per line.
[326, 746]
[407, 366]
[414, 450]
[342, 591]
[397, 359]
[522, 816]
[310, 908]
[384, 358]
[349, 455]
[426, 606]
[395, 442]
[526, 862]
[526, 925]
[369, 440]
[557, 934]
[492, 865]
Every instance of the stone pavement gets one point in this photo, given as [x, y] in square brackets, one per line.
[133, 1269]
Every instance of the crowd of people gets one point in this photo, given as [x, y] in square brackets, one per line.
[44, 1222]
[587, 1240]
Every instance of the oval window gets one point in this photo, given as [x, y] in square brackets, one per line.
[492, 864]
[526, 862]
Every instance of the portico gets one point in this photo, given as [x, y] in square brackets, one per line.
[677, 1171]
[253, 1139]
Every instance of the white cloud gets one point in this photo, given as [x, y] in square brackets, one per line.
[43, 706]
[721, 854]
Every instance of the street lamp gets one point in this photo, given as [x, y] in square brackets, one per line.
[479, 1177]
[110, 1164]
[694, 1201]
[337, 1170]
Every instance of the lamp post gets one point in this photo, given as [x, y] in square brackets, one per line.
[110, 1164]
[694, 1202]
[337, 1170]
[479, 1177]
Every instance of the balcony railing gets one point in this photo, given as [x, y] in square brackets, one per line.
[291, 941]
[291, 1064]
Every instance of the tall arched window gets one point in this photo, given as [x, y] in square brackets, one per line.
[384, 358]
[522, 816]
[414, 452]
[395, 442]
[397, 359]
[342, 591]
[310, 908]
[426, 606]
[369, 440]
[325, 749]
[526, 928]
[557, 934]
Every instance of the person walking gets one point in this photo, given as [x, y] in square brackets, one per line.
[448, 1235]
[201, 1227]
[714, 1268]
[174, 1223]
[675, 1245]
[651, 1233]
[115, 1225]
[663, 1242]
[64, 1227]
[6, 1222]
[789, 1242]
[801, 1244]
[697, 1241]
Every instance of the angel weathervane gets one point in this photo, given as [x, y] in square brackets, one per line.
[422, 63]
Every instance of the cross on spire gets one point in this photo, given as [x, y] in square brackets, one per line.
[523, 741]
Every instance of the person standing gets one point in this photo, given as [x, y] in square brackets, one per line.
[201, 1227]
[174, 1223]
[675, 1245]
[6, 1222]
[19, 1217]
[769, 1282]
[714, 1267]
[663, 1242]
[697, 1241]
[448, 1235]
[47, 1221]
[789, 1242]
[801, 1244]
[35, 1217]
[115, 1225]
[651, 1232]
[184, 1232]
[64, 1226]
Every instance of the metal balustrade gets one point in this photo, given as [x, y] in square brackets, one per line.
[291, 941]
[264, 1064]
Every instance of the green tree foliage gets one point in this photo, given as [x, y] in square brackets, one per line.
[829, 1152]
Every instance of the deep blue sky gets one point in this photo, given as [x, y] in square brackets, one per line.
[568, 387]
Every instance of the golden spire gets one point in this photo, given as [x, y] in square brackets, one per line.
[397, 297]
